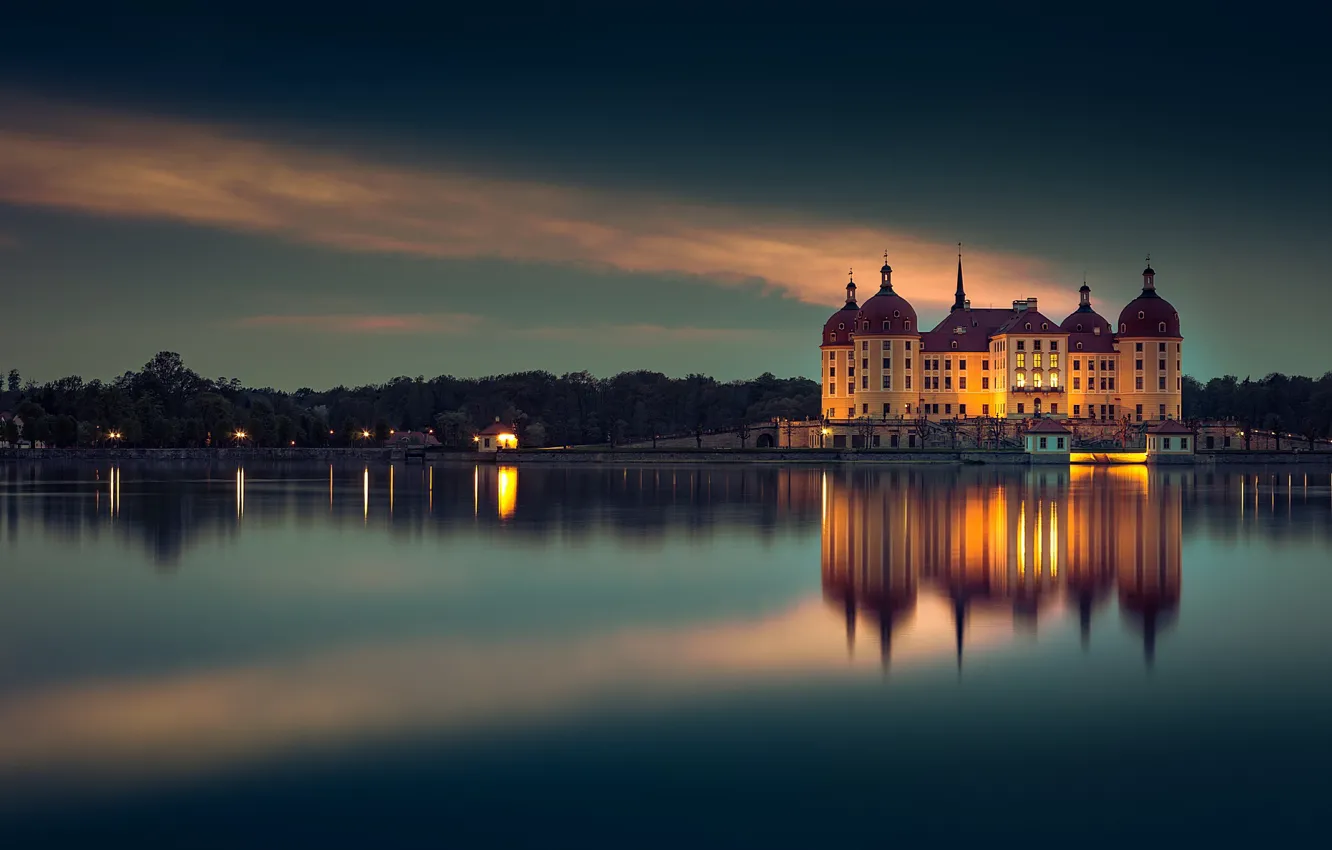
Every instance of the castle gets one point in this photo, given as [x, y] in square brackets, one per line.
[877, 364]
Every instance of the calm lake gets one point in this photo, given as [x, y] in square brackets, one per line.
[482, 656]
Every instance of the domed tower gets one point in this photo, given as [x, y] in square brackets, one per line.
[1151, 351]
[887, 340]
[838, 360]
[1093, 363]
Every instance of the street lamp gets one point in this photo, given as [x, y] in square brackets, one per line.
[240, 436]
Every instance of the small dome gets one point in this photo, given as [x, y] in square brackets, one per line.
[887, 313]
[839, 327]
[1085, 320]
[1145, 315]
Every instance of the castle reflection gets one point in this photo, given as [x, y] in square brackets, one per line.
[1003, 544]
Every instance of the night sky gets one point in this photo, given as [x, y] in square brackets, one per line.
[306, 200]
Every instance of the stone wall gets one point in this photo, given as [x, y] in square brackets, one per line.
[680, 456]
[198, 454]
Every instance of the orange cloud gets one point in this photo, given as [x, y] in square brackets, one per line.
[115, 164]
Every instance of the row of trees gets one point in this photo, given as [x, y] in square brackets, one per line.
[166, 404]
[1276, 403]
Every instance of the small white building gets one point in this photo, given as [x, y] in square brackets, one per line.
[1048, 442]
[1169, 438]
[495, 437]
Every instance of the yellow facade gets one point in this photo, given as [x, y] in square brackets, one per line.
[1008, 364]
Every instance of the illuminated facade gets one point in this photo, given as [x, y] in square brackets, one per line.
[495, 437]
[877, 364]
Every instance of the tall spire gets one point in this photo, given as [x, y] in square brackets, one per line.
[886, 276]
[959, 297]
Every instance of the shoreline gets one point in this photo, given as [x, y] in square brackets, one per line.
[673, 456]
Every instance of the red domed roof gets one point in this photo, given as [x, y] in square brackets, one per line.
[1149, 314]
[837, 330]
[887, 313]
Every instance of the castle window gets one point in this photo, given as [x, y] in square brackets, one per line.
[1054, 345]
[1137, 382]
[1028, 325]
[885, 324]
[1079, 346]
[1045, 326]
[1077, 383]
[832, 371]
[1054, 360]
[961, 364]
[1036, 380]
[1036, 345]
[985, 365]
[1141, 315]
[832, 355]
[908, 346]
[897, 314]
[887, 363]
[864, 345]
[1123, 328]
[954, 344]
[1079, 327]
[1160, 346]
[1022, 345]
[1137, 347]
[1161, 327]
[841, 326]
[961, 383]
[985, 384]
[1096, 330]
[906, 325]
[1054, 381]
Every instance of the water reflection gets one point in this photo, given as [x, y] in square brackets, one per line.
[293, 626]
[1003, 545]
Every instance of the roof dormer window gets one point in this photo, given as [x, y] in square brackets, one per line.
[1045, 326]
[1079, 327]
[1079, 346]
[1161, 327]
[897, 314]
[1142, 315]
[841, 326]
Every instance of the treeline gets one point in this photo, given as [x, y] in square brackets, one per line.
[1278, 403]
[166, 404]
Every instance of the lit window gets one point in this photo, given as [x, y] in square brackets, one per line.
[1036, 380]
[1054, 379]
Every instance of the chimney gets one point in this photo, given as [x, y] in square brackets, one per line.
[966, 305]
[1031, 304]
[1019, 306]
